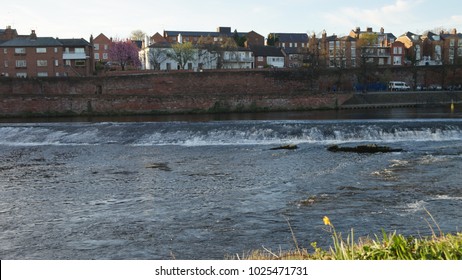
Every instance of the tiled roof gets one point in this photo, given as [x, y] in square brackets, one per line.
[292, 37]
[199, 33]
[74, 42]
[28, 42]
[266, 51]
[161, 45]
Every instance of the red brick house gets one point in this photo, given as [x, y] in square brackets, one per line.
[101, 45]
[33, 56]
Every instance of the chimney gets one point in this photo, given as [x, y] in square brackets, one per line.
[382, 30]
[33, 36]
[8, 27]
[358, 29]
[369, 30]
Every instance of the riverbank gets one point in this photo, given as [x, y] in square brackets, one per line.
[402, 99]
[197, 93]
[386, 246]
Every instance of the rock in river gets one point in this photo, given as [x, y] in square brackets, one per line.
[363, 149]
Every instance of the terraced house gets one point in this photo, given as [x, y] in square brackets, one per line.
[33, 56]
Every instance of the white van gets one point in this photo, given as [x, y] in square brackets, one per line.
[398, 85]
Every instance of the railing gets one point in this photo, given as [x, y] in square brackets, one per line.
[74, 55]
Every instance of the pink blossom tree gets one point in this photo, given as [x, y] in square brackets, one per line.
[125, 52]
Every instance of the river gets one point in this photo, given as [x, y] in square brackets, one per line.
[210, 186]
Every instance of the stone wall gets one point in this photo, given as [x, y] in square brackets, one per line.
[191, 92]
[164, 93]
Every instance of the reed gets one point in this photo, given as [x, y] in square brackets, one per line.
[387, 246]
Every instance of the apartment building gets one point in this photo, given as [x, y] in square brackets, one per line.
[8, 34]
[289, 40]
[101, 44]
[452, 43]
[33, 56]
[374, 47]
[218, 36]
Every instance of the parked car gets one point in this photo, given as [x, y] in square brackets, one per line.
[435, 87]
[454, 87]
[398, 86]
[421, 87]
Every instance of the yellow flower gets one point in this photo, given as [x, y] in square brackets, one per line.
[326, 221]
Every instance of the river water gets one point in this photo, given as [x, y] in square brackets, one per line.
[207, 187]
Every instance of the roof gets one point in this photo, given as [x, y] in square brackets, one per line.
[292, 37]
[160, 45]
[29, 42]
[266, 51]
[101, 37]
[199, 33]
[448, 35]
[74, 42]
[412, 36]
[432, 36]
[390, 35]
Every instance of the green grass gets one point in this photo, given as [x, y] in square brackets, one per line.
[387, 246]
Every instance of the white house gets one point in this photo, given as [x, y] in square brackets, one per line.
[242, 58]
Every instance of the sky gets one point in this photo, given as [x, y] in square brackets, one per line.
[117, 19]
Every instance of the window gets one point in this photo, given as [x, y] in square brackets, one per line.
[41, 50]
[106, 47]
[397, 50]
[417, 52]
[353, 63]
[68, 62]
[96, 47]
[397, 60]
[20, 50]
[21, 75]
[6, 63]
[459, 52]
[56, 62]
[260, 58]
[56, 50]
[97, 56]
[21, 64]
[5, 50]
[42, 74]
[452, 42]
[105, 56]
[80, 63]
[79, 50]
[42, 63]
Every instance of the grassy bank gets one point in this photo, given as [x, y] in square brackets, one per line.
[387, 246]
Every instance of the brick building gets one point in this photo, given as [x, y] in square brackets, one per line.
[33, 56]
[101, 45]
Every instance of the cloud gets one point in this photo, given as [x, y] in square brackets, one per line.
[397, 13]
[456, 19]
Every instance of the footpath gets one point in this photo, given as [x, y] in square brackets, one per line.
[402, 99]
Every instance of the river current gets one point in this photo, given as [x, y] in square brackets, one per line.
[210, 189]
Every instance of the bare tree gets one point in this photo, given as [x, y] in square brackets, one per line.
[182, 53]
[217, 47]
[367, 44]
[137, 35]
[156, 57]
